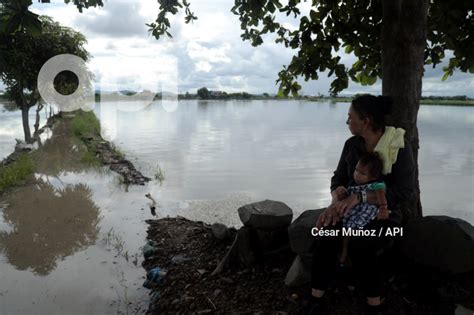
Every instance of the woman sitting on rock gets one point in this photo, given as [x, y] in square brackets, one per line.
[366, 122]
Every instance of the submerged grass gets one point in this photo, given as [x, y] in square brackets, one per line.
[16, 173]
[159, 174]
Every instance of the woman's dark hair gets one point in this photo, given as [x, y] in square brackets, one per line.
[373, 163]
[373, 107]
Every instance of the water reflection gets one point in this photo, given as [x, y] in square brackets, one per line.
[48, 224]
[61, 152]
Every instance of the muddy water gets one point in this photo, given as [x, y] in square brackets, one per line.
[70, 241]
[216, 152]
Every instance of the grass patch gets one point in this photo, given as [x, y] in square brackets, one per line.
[448, 102]
[159, 174]
[89, 158]
[16, 173]
[85, 123]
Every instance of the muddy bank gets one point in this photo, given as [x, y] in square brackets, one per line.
[115, 160]
[188, 252]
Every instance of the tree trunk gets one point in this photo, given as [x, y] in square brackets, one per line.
[403, 46]
[39, 107]
[26, 123]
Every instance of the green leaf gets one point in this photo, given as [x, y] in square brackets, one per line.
[371, 80]
[32, 24]
[445, 76]
[348, 49]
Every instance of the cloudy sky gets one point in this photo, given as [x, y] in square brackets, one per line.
[208, 52]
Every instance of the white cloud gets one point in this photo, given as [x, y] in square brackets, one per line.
[209, 51]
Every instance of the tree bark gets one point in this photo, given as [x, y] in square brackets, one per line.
[26, 123]
[38, 109]
[403, 46]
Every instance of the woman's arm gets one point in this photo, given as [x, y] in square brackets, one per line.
[340, 177]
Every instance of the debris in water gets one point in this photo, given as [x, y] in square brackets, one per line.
[153, 204]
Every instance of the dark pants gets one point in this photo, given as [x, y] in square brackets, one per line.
[363, 251]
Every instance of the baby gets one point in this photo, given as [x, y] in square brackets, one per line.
[367, 177]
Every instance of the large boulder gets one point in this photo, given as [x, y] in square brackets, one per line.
[299, 273]
[299, 232]
[441, 242]
[266, 214]
[220, 231]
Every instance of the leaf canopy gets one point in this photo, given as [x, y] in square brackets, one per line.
[351, 25]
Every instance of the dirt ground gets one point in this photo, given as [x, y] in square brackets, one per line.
[188, 252]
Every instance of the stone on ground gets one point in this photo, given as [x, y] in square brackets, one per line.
[267, 214]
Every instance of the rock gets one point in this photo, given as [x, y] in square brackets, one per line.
[227, 280]
[299, 273]
[266, 214]
[217, 292]
[246, 246]
[220, 231]
[175, 301]
[270, 240]
[299, 232]
[23, 146]
[179, 259]
[441, 242]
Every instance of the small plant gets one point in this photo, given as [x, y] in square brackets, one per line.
[159, 174]
[16, 173]
[111, 238]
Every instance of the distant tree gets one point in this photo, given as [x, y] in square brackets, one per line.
[246, 96]
[203, 93]
[24, 54]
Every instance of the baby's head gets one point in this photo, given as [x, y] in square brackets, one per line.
[368, 168]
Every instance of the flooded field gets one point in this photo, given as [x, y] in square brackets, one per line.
[71, 242]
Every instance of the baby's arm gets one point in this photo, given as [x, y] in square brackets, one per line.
[341, 193]
[382, 201]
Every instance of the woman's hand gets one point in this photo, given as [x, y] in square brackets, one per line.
[328, 216]
[343, 206]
